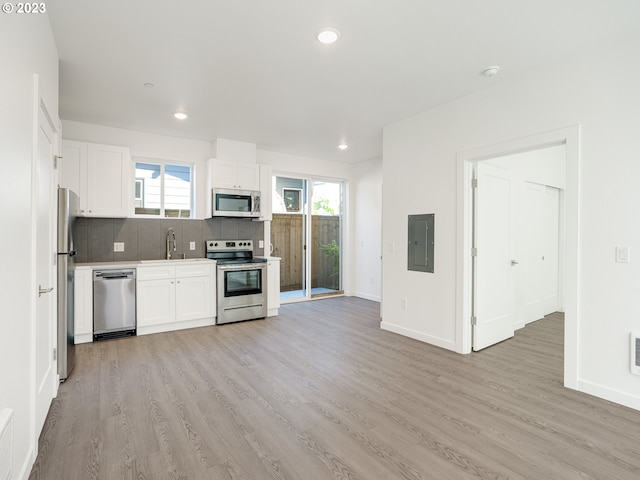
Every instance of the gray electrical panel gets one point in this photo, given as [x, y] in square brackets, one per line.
[420, 243]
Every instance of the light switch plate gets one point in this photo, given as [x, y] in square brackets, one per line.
[118, 246]
[192, 245]
[623, 255]
[260, 243]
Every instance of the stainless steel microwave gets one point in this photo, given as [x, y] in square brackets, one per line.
[235, 203]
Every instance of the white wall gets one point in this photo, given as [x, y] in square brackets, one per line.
[149, 145]
[419, 169]
[367, 227]
[545, 166]
[28, 47]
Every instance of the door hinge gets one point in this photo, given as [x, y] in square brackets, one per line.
[474, 183]
[474, 252]
[55, 353]
[474, 320]
[56, 160]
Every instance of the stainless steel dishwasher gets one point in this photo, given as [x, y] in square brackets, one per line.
[114, 303]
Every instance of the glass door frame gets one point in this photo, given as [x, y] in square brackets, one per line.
[307, 213]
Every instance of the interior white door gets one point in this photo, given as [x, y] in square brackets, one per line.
[533, 238]
[45, 327]
[493, 283]
[550, 255]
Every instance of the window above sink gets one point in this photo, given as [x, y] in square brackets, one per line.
[163, 189]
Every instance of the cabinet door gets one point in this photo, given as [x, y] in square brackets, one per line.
[238, 176]
[193, 298]
[74, 157]
[156, 302]
[108, 181]
[273, 284]
[225, 175]
[83, 305]
[73, 170]
[266, 188]
[248, 176]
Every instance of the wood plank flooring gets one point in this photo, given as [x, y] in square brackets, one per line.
[320, 392]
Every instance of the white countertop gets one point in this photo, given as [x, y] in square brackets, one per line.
[143, 263]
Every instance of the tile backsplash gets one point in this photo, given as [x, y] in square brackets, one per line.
[146, 238]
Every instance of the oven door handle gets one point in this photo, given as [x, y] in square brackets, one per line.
[257, 266]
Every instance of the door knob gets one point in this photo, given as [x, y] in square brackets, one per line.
[513, 262]
[43, 290]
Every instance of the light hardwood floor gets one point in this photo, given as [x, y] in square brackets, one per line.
[320, 392]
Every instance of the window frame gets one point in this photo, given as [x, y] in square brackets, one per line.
[162, 163]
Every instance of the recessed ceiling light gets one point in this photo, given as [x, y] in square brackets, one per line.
[328, 35]
[343, 146]
[491, 71]
[180, 115]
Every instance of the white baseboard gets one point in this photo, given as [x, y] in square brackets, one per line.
[171, 327]
[366, 296]
[6, 443]
[438, 342]
[610, 394]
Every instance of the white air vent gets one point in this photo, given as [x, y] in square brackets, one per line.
[634, 350]
[6, 443]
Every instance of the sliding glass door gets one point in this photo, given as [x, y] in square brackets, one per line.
[326, 208]
[306, 233]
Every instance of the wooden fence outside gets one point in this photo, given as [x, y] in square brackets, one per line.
[286, 238]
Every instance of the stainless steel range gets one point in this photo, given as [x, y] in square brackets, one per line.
[241, 279]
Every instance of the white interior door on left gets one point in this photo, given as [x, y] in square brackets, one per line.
[493, 289]
[45, 321]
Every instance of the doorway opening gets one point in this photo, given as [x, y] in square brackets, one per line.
[517, 242]
[464, 291]
[306, 233]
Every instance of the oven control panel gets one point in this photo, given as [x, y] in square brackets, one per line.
[229, 245]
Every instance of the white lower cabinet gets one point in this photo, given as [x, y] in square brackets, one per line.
[83, 305]
[273, 286]
[175, 297]
[193, 298]
[156, 302]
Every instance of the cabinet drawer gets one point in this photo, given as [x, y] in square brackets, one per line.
[159, 272]
[193, 270]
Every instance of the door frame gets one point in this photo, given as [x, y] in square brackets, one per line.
[309, 180]
[570, 136]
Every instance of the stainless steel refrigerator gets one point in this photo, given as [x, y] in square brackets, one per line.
[67, 212]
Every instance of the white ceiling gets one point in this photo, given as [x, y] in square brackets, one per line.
[252, 70]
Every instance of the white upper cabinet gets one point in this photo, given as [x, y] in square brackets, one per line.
[108, 169]
[100, 174]
[74, 154]
[235, 165]
[266, 189]
[237, 176]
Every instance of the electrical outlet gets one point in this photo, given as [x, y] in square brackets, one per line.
[192, 245]
[118, 246]
[260, 243]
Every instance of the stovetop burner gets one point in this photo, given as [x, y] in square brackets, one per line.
[232, 251]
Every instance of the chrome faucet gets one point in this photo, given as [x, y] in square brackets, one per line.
[171, 239]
